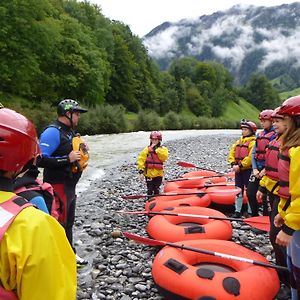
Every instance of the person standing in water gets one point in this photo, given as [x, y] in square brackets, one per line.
[150, 163]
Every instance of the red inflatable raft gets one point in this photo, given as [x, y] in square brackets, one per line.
[183, 274]
[179, 228]
[207, 173]
[222, 197]
[189, 183]
[195, 180]
[160, 202]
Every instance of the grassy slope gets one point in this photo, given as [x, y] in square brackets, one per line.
[243, 110]
[233, 112]
[285, 95]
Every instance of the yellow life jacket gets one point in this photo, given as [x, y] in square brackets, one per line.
[79, 145]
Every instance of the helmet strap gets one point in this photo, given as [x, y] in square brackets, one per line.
[70, 118]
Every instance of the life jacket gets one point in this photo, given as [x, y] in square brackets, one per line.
[271, 157]
[26, 187]
[152, 160]
[262, 141]
[61, 173]
[79, 145]
[241, 151]
[283, 173]
[9, 210]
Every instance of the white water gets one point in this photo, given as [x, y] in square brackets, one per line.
[110, 149]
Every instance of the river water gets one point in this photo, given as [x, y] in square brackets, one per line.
[112, 149]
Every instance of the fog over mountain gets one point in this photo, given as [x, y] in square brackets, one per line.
[245, 39]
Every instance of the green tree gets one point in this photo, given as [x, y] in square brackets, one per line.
[205, 72]
[219, 101]
[183, 68]
[24, 40]
[260, 92]
[196, 102]
[123, 83]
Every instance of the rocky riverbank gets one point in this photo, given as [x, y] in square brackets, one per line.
[118, 268]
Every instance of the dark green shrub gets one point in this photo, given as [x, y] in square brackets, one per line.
[172, 121]
[147, 121]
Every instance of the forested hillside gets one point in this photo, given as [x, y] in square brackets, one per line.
[56, 49]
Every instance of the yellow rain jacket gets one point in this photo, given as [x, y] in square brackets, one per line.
[162, 153]
[36, 259]
[269, 184]
[246, 162]
[291, 215]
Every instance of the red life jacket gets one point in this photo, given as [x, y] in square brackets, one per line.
[45, 189]
[7, 295]
[9, 210]
[271, 166]
[283, 173]
[241, 151]
[262, 141]
[152, 160]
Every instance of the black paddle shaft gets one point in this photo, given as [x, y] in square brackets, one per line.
[242, 259]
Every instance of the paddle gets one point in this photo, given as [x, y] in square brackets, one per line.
[260, 222]
[199, 193]
[151, 242]
[190, 165]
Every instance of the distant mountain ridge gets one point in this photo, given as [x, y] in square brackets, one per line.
[245, 39]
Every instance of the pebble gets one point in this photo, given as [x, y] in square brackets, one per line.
[120, 269]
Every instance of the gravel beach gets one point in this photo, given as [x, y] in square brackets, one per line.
[119, 268]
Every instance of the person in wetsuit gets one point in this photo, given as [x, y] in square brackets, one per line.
[58, 159]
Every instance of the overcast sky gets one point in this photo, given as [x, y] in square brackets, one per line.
[144, 15]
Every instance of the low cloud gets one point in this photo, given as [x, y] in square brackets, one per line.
[230, 36]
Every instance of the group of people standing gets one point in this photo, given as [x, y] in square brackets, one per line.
[267, 168]
[35, 248]
[37, 256]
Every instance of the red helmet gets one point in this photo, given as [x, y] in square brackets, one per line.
[290, 107]
[18, 140]
[248, 124]
[275, 114]
[156, 135]
[266, 114]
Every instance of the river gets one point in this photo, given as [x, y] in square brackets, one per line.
[111, 149]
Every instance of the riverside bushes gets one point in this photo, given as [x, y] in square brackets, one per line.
[105, 119]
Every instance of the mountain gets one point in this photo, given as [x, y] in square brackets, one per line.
[245, 38]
